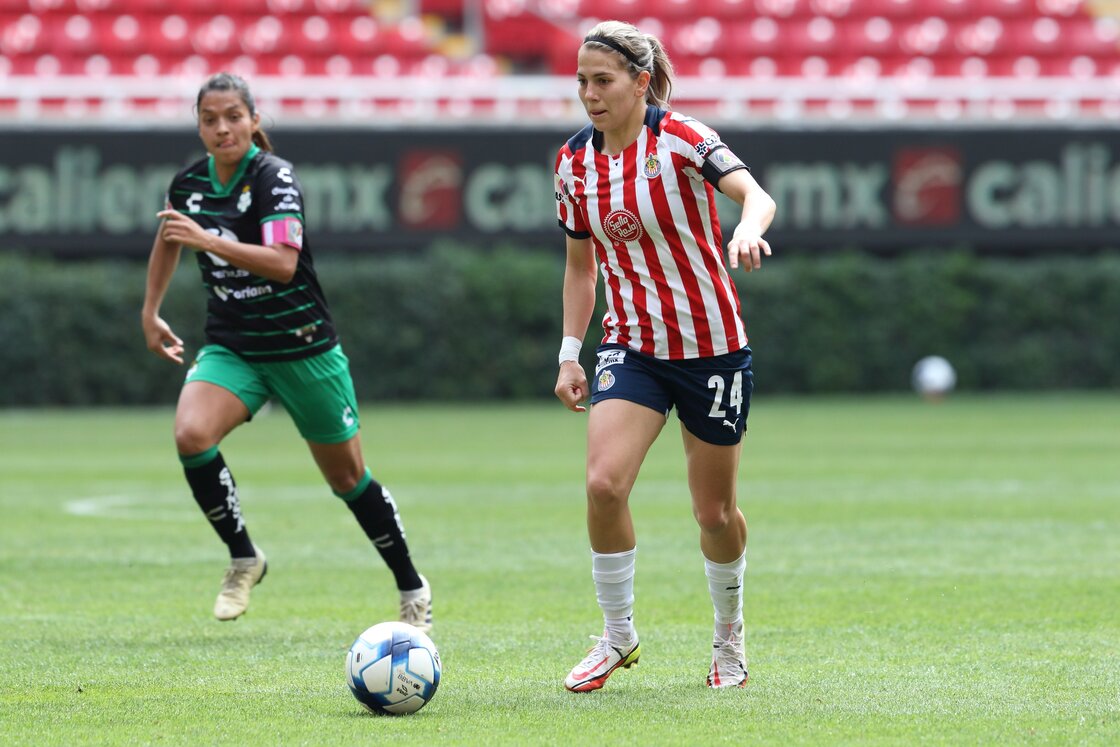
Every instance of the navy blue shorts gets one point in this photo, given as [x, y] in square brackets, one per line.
[712, 395]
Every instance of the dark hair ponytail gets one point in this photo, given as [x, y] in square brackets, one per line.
[237, 84]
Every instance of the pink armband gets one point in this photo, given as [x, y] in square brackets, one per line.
[282, 231]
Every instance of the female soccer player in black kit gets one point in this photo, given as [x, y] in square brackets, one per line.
[269, 334]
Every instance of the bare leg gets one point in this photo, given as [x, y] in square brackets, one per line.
[712, 474]
[619, 434]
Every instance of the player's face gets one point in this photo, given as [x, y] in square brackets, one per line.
[608, 92]
[225, 126]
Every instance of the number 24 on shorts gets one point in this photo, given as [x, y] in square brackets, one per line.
[735, 396]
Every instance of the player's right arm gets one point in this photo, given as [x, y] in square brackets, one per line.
[580, 276]
[161, 266]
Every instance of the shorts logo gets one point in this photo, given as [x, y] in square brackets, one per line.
[606, 381]
[622, 226]
[652, 167]
[609, 358]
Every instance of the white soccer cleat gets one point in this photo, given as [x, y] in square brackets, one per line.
[416, 607]
[729, 662]
[241, 576]
[600, 662]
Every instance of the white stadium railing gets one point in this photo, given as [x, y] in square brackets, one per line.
[518, 99]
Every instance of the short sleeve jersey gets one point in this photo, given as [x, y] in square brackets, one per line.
[258, 318]
[650, 214]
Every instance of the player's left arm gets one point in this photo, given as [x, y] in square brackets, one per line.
[275, 261]
[747, 245]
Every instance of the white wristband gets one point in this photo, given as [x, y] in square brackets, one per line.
[569, 349]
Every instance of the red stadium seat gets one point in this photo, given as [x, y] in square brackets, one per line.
[814, 36]
[673, 9]
[926, 38]
[25, 35]
[759, 37]
[833, 8]
[877, 36]
[73, 35]
[1098, 37]
[316, 37]
[782, 8]
[341, 7]
[123, 34]
[1039, 36]
[892, 8]
[263, 36]
[289, 7]
[249, 9]
[1061, 8]
[984, 37]
[949, 9]
[1003, 8]
[172, 37]
[214, 37]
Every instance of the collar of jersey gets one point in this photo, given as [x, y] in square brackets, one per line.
[224, 191]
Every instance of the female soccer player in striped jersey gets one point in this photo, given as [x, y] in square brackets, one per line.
[269, 334]
[634, 192]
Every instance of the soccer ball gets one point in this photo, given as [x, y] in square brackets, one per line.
[393, 668]
[933, 376]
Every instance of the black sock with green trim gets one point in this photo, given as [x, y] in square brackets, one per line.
[215, 492]
[376, 512]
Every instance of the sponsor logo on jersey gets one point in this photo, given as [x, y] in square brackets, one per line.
[307, 332]
[927, 186]
[288, 204]
[606, 381]
[609, 358]
[622, 226]
[245, 200]
[652, 166]
[705, 146]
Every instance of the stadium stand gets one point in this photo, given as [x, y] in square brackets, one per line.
[337, 60]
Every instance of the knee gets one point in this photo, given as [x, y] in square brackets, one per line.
[605, 490]
[714, 518]
[191, 439]
[344, 479]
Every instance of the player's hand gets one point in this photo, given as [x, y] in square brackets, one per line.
[180, 229]
[747, 247]
[161, 340]
[571, 386]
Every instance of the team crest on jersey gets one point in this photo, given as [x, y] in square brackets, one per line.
[622, 226]
[652, 167]
[606, 381]
[246, 199]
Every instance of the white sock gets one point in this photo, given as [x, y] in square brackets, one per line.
[725, 584]
[614, 587]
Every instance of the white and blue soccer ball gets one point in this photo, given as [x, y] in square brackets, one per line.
[933, 376]
[393, 668]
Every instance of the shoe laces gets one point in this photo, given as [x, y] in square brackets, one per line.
[601, 648]
[235, 578]
[414, 609]
[729, 651]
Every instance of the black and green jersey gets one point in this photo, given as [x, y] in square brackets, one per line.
[258, 318]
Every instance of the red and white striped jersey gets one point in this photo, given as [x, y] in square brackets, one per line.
[651, 216]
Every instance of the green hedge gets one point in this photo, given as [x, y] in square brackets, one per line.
[475, 324]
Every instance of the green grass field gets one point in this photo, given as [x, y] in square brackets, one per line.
[933, 574]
